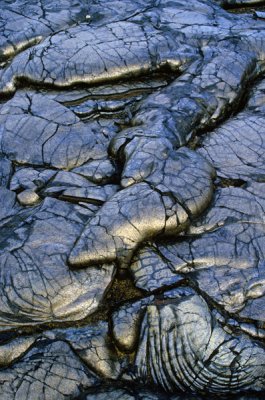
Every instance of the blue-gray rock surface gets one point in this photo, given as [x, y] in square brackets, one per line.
[132, 199]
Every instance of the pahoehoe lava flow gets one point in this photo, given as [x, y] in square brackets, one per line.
[132, 199]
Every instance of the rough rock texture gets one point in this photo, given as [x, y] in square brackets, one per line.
[132, 199]
[36, 284]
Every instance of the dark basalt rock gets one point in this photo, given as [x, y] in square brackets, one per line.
[132, 200]
[35, 21]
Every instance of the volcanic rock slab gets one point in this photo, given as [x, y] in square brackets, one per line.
[36, 284]
[132, 199]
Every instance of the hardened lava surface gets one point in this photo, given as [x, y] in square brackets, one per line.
[132, 199]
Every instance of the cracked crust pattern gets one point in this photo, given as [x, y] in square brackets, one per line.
[132, 199]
